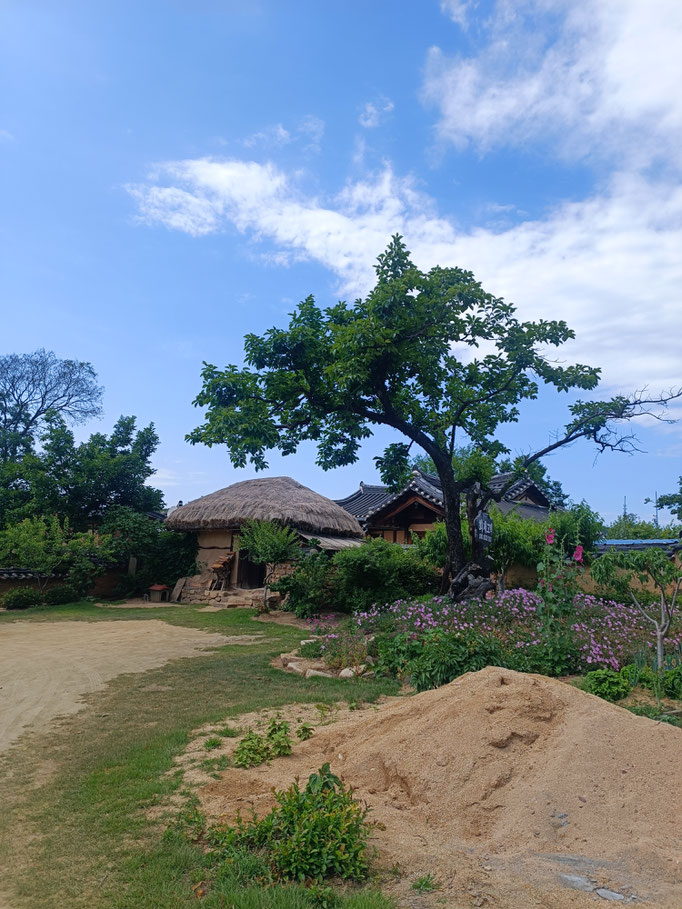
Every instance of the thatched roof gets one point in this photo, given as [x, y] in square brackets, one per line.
[267, 499]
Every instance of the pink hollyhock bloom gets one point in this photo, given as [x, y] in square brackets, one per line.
[549, 536]
[578, 554]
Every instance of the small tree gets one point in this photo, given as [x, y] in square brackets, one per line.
[651, 578]
[516, 541]
[269, 544]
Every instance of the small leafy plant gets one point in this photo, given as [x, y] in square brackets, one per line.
[212, 743]
[607, 684]
[255, 749]
[311, 834]
[425, 884]
[304, 731]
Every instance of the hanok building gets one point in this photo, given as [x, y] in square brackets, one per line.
[217, 518]
[395, 516]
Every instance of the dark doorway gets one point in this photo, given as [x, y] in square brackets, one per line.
[249, 575]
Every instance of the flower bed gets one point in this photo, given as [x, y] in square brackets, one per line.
[604, 633]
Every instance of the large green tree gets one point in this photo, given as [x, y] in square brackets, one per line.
[80, 481]
[431, 355]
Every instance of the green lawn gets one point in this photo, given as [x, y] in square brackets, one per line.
[74, 830]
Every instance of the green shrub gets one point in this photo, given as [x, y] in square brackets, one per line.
[445, 656]
[277, 737]
[21, 598]
[379, 572]
[304, 731]
[308, 588]
[607, 684]
[57, 596]
[672, 683]
[558, 655]
[435, 657]
[311, 834]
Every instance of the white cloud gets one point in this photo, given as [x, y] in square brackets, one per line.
[373, 113]
[609, 265]
[457, 10]
[6, 136]
[596, 77]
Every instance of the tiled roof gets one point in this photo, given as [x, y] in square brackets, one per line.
[20, 574]
[368, 500]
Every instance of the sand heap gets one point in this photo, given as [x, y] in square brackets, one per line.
[516, 774]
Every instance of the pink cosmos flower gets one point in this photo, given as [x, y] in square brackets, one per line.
[578, 554]
[549, 536]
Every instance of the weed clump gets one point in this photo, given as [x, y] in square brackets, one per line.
[255, 749]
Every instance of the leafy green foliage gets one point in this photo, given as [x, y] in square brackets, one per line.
[308, 588]
[82, 481]
[311, 649]
[630, 527]
[394, 359]
[63, 593]
[212, 743]
[304, 731]
[21, 598]
[445, 656]
[255, 749]
[379, 572]
[268, 542]
[577, 524]
[311, 834]
[162, 555]
[515, 542]
[632, 574]
[673, 501]
[48, 546]
[607, 684]
[435, 657]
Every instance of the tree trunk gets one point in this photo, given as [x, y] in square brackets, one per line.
[453, 526]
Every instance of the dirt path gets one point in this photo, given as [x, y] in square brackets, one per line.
[46, 667]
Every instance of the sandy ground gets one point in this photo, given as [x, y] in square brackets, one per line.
[513, 791]
[46, 667]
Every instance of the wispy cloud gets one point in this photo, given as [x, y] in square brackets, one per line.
[595, 78]
[309, 132]
[6, 136]
[272, 135]
[608, 265]
[457, 10]
[374, 113]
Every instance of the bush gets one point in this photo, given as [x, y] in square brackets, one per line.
[313, 834]
[435, 658]
[308, 587]
[21, 598]
[444, 657]
[672, 683]
[655, 713]
[607, 684]
[57, 596]
[379, 572]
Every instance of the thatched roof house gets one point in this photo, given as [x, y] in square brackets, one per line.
[216, 519]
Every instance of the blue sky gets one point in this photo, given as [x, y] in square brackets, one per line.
[174, 175]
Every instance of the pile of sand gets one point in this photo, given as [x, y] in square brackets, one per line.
[513, 789]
